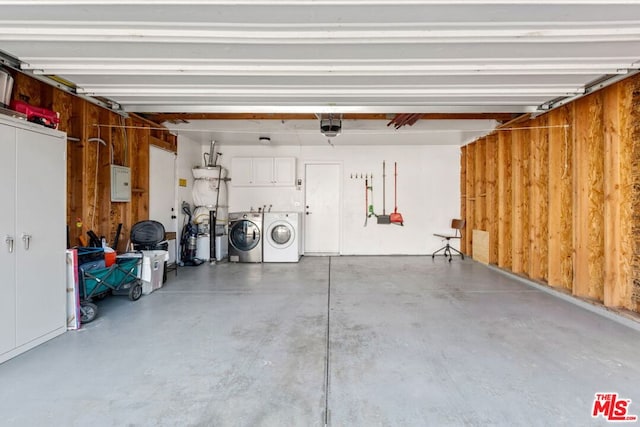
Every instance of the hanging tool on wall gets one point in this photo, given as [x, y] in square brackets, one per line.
[395, 217]
[366, 200]
[384, 218]
[370, 188]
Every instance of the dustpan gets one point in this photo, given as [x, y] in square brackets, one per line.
[395, 217]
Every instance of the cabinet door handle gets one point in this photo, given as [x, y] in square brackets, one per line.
[9, 241]
[26, 238]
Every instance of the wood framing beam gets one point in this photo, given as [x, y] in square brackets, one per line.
[505, 199]
[539, 200]
[520, 193]
[618, 215]
[560, 206]
[492, 196]
[479, 187]
[589, 198]
[463, 193]
[471, 200]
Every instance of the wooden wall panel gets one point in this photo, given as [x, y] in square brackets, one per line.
[525, 141]
[520, 188]
[27, 89]
[617, 106]
[104, 211]
[480, 190]
[139, 161]
[89, 203]
[560, 206]
[492, 196]
[567, 196]
[463, 192]
[539, 199]
[505, 199]
[118, 212]
[92, 152]
[633, 210]
[470, 223]
[62, 102]
[589, 202]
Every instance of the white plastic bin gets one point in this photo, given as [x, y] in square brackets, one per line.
[153, 270]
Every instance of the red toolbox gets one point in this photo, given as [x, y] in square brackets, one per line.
[42, 116]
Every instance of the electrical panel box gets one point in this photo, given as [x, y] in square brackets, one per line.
[120, 184]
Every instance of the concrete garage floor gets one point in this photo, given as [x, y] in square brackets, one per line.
[411, 342]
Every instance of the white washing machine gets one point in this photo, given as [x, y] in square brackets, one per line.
[282, 237]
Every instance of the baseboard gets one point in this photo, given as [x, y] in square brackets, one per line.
[31, 344]
[593, 307]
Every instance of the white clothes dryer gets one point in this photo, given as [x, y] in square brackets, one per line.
[282, 237]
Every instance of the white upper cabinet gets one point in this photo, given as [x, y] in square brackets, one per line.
[263, 171]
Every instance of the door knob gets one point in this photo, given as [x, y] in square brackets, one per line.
[9, 241]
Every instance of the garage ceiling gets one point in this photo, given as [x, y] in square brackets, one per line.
[318, 56]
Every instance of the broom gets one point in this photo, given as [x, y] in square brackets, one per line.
[395, 217]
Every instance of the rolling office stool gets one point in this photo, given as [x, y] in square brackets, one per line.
[457, 225]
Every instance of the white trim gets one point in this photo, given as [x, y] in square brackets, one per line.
[34, 343]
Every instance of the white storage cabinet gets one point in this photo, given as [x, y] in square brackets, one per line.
[32, 229]
[263, 171]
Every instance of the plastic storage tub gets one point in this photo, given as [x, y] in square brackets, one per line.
[153, 270]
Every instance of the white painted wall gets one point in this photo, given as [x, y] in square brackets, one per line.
[428, 192]
[189, 155]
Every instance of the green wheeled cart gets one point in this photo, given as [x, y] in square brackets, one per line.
[120, 278]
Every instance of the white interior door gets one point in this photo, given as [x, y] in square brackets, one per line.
[162, 191]
[322, 209]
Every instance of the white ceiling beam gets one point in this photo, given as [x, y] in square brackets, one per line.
[327, 92]
[152, 61]
[335, 3]
[70, 32]
[325, 109]
[332, 71]
[107, 66]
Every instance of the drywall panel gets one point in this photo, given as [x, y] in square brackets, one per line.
[481, 246]
[189, 156]
[428, 192]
